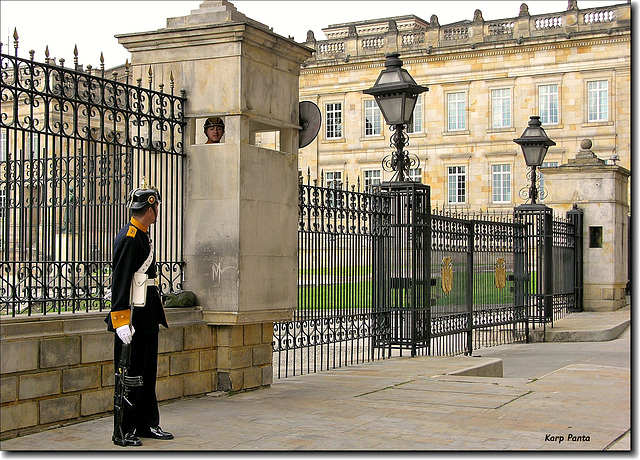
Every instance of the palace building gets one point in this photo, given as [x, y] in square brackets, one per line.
[485, 78]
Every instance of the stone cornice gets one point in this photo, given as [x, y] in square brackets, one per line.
[208, 34]
[447, 54]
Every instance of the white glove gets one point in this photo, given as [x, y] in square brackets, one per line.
[125, 333]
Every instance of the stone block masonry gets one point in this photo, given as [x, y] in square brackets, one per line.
[59, 369]
[245, 356]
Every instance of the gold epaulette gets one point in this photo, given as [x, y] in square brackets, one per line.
[132, 231]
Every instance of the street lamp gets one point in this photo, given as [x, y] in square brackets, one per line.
[534, 143]
[396, 93]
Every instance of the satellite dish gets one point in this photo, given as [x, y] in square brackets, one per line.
[310, 119]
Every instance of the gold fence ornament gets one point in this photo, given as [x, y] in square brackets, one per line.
[447, 275]
[500, 275]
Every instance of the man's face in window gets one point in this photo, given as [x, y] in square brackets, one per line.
[214, 134]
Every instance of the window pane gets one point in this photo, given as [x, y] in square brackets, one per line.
[372, 118]
[334, 120]
[415, 175]
[457, 184]
[501, 178]
[548, 102]
[501, 106]
[598, 100]
[456, 111]
[371, 178]
[416, 125]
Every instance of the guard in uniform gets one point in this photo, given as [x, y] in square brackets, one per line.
[214, 130]
[138, 326]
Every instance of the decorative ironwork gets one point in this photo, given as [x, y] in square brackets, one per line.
[533, 192]
[500, 275]
[400, 162]
[73, 142]
[447, 275]
[365, 274]
[339, 319]
[553, 261]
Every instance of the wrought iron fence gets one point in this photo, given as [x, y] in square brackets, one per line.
[478, 278]
[72, 144]
[553, 262]
[381, 273]
[339, 321]
[403, 266]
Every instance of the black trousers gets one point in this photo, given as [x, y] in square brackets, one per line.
[144, 362]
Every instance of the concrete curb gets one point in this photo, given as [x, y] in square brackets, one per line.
[490, 367]
[601, 335]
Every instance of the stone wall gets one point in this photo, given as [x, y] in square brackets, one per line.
[59, 369]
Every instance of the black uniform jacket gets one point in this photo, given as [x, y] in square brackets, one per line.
[130, 250]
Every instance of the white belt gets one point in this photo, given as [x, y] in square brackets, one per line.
[151, 282]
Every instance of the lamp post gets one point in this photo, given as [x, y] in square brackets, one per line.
[396, 93]
[534, 143]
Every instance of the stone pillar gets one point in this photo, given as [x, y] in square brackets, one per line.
[600, 189]
[241, 200]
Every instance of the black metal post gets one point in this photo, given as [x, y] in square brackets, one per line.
[577, 216]
[400, 162]
[471, 244]
[533, 188]
[547, 249]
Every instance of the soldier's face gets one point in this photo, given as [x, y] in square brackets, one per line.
[154, 211]
[214, 134]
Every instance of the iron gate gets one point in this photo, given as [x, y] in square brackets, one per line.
[380, 273]
[72, 144]
[338, 320]
[479, 281]
[553, 262]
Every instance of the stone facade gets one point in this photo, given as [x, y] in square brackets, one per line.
[603, 198]
[496, 73]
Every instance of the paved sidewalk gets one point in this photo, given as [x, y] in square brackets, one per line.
[553, 396]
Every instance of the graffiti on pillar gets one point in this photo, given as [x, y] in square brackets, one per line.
[217, 272]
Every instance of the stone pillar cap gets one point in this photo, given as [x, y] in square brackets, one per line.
[586, 155]
[213, 12]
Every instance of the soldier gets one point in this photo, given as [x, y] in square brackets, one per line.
[214, 130]
[137, 327]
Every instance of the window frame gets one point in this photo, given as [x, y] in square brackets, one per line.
[415, 175]
[457, 118]
[547, 104]
[505, 114]
[370, 182]
[599, 111]
[501, 183]
[461, 173]
[336, 177]
[330, 122]
[416, 118]
[373, 112]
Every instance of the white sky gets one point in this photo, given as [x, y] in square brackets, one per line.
[91, 25]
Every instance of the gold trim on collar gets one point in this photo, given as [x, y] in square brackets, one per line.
[138, 225]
